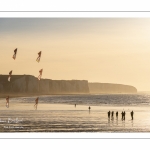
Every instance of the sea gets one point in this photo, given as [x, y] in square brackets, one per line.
[70, 113]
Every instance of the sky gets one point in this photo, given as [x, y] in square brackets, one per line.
[105, 50]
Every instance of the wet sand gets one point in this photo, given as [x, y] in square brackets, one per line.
[21, 117]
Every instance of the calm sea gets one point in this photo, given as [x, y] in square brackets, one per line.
[94, 100]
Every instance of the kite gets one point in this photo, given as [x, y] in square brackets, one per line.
[10, 73]
[39, 77]
[15, 53]
[7, 101]
[39, 57]
[36, 103]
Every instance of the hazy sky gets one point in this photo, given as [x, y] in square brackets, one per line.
[107, 50]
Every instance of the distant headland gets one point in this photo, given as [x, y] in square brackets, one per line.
[110, 88]
[26, 85]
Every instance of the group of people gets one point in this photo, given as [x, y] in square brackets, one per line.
[112, 114]
[109, 113]
[123, 114]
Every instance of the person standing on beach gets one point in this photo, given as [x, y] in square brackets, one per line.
[122, 114]
[112, 114]
[75, 105]
[109, 114]
[132, 114]
[117, 114]
[36, 103]
[89, 108]
[7, 101]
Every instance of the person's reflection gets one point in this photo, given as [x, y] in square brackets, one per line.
[112, 120]
[108, 121]
[116, 121]
[123, 123]
[132, 123]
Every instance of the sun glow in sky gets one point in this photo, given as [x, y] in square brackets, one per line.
[107, 50]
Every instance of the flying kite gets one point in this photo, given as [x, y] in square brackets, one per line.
[39, 77]
[36, 103]
[10, 73]
[15, 53]
[39, 57]
[7, 101]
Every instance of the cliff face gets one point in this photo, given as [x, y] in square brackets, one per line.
[66, 86]
[30, 84]
[111, 88]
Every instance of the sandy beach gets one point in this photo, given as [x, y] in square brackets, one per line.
[22, 117]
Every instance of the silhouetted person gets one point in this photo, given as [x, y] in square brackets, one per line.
[109, 114]
[132, 114]
[36, 103]
[75, 105]
[117, 114]
[112, 114]
[89, 108]
[7, 101]
[122, 114]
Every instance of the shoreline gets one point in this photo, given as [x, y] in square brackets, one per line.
[33, 94]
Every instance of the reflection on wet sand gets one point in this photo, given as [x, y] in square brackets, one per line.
[67, 118]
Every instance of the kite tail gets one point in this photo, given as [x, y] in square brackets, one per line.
[38, 59]
[9, 78]
[39, 77]
[14, 56]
